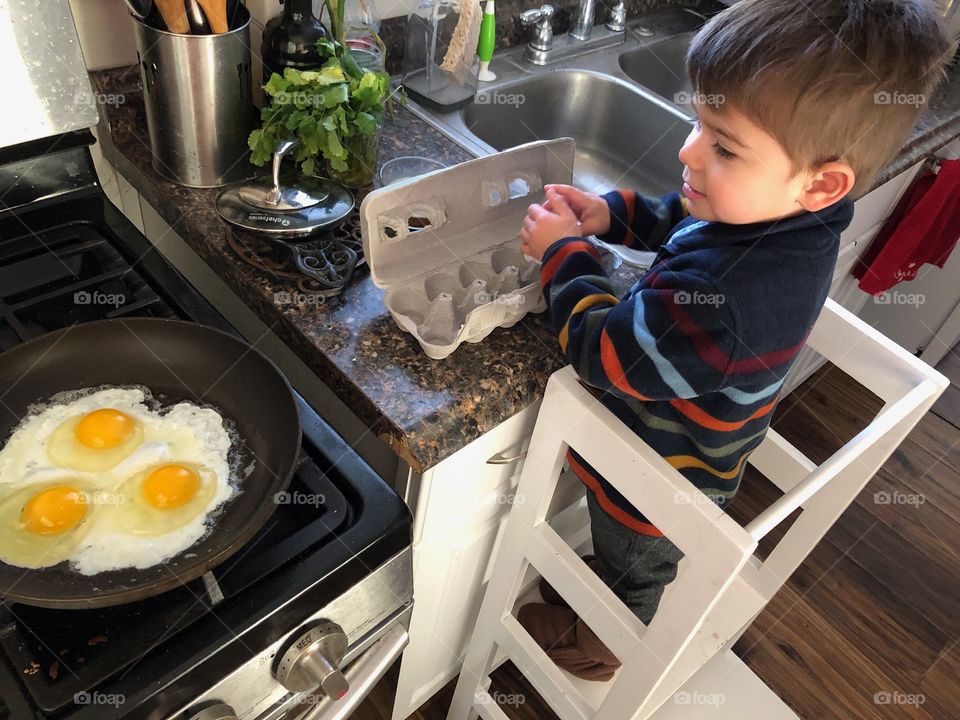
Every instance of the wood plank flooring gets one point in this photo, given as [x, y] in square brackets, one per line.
[869, 626]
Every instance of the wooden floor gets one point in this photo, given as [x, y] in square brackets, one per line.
[869, 626]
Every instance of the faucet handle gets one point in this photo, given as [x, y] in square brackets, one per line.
[540, 14]
[543, 32]
[618, 18]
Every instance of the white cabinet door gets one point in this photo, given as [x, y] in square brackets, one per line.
[450, 577]
[460, 510]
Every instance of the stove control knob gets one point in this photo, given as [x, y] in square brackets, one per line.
[220, 711]
[313, 659]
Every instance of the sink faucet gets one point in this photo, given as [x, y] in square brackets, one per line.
[584, 24]
[541, 50]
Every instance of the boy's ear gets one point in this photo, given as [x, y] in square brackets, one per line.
[829, 183]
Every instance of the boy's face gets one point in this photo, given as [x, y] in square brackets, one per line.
[736, 173]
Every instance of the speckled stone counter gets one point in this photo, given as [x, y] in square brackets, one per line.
[936, 127]
[424, 409]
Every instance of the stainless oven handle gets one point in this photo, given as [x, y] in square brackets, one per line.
[362, 675]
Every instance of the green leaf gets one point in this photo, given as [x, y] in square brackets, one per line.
[366, 122]
[276, 84]
[308, 166]
[334, 95]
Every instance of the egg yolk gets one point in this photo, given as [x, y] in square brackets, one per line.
[170, 486]
[105, 428]
[54, 511]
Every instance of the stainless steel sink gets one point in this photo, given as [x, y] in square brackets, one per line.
[623, 139]
[660, 67]
[618, 103]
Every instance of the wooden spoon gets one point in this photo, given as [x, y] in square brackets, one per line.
[216, 12]
[174, 15]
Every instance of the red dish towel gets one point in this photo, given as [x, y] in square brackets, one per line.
[923, 228]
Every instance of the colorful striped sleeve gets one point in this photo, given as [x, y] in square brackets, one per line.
[639, 221]
[672, 336]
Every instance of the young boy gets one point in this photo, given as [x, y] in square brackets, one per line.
[802, 113]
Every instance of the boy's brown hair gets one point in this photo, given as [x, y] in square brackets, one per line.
[828, 79]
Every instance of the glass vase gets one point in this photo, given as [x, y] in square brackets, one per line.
[361, 160]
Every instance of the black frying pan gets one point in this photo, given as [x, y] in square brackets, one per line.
[177, 361]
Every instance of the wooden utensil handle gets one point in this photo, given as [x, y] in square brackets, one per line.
[216, 12]
[174, 16]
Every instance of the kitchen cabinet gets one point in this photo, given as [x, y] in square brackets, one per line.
[460, 506]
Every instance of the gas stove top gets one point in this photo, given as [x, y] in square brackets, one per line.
[333, 561]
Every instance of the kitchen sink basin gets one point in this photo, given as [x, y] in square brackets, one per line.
[660, 67]
[622, 138]
[623, 104]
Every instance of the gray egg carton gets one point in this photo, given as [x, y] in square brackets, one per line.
[446, 245]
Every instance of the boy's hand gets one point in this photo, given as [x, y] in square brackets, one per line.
[547, 223]
[590, 209]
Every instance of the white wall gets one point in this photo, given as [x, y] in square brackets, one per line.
[106, 30]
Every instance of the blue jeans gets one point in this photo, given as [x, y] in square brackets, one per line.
[636, 567]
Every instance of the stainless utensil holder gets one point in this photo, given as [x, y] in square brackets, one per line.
[197, 93]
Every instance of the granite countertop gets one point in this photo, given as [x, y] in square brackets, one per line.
[424, 409]
[938, 125]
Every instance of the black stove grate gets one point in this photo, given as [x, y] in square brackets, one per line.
[70, 274]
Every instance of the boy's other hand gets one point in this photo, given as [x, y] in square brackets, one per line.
[590, 209]
[547, 223]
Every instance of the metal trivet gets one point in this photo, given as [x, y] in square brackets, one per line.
[309, 264]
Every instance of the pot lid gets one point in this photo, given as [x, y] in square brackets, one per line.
[285, 206]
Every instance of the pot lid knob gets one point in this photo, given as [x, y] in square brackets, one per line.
[278, 198]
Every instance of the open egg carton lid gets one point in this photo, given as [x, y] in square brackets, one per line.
[446, 245]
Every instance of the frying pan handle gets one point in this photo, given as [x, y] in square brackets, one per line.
[362, 675]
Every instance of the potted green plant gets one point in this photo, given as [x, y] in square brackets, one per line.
[334, 112]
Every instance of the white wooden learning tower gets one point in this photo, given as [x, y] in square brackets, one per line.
[721, 586]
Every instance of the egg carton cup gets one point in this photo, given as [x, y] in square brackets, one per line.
[446, 245]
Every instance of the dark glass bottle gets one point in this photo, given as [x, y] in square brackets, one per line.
[289, 40]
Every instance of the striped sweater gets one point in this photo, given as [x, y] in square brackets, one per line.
[693, 356]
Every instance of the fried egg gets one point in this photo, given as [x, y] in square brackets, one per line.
[164, 498]
[96, 440]
[153, 480]
[42, 525]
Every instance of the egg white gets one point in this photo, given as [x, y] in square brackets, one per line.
[185, 432]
